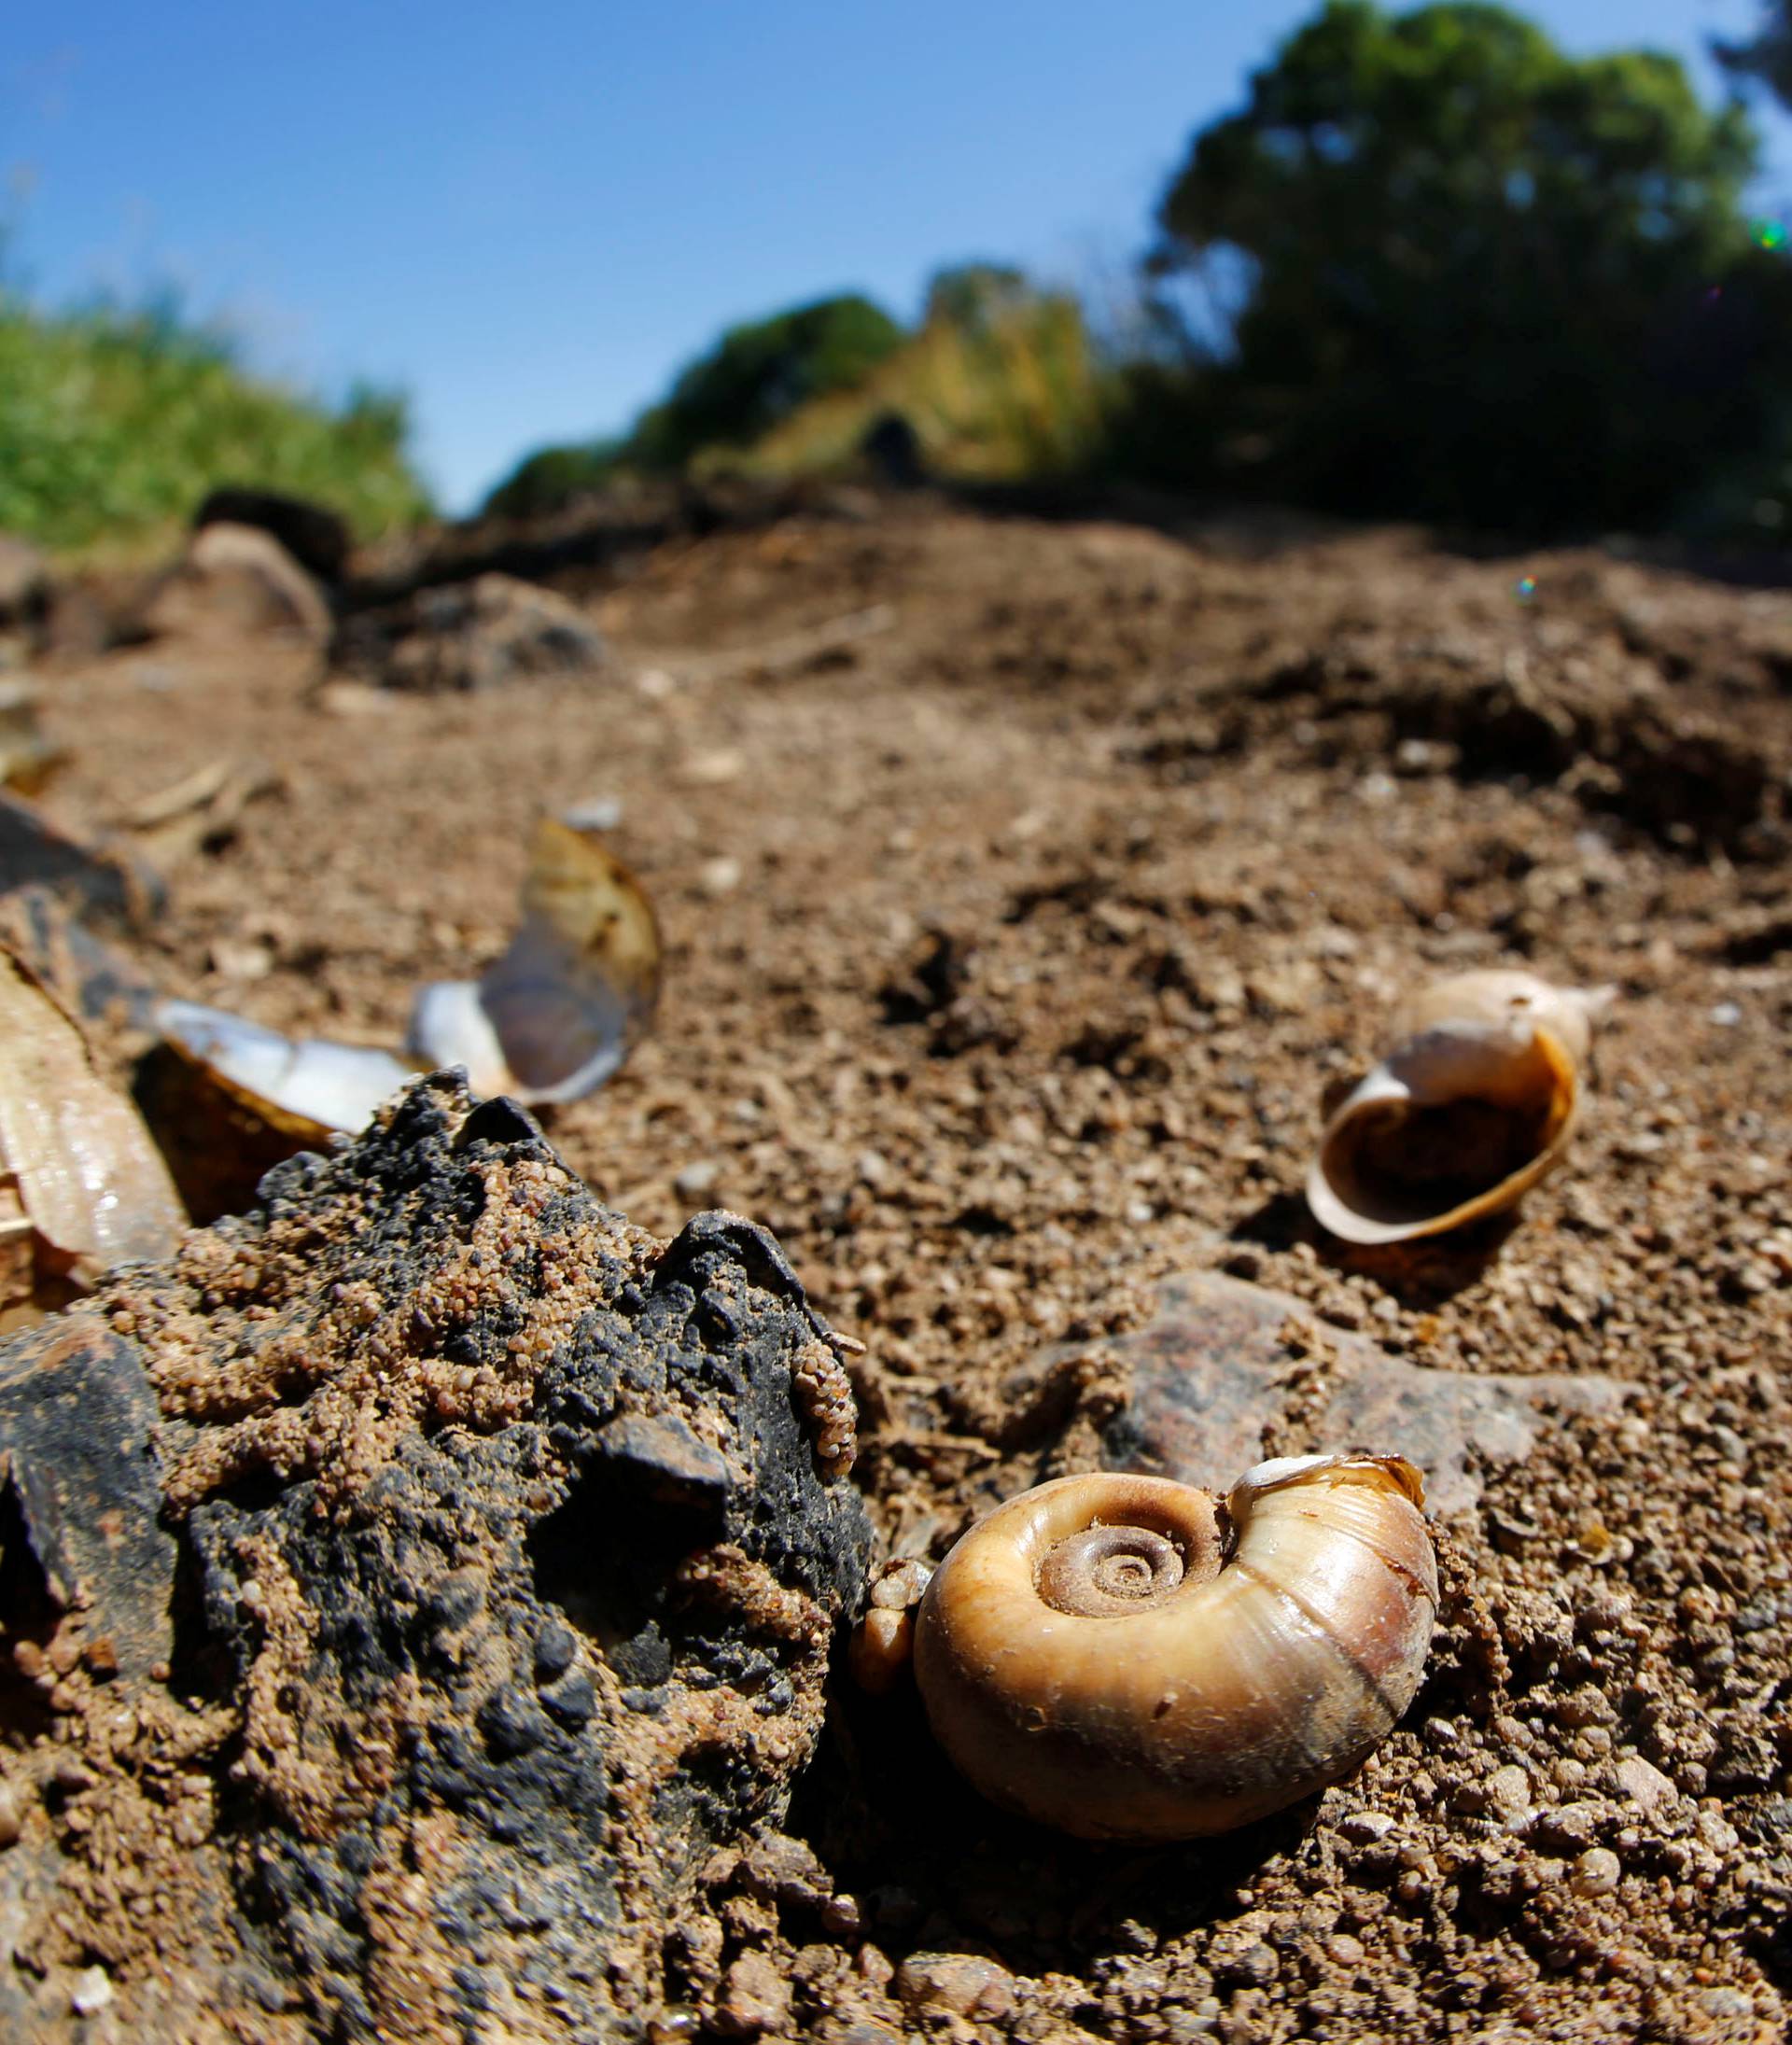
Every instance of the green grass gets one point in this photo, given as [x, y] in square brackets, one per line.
[114, 425]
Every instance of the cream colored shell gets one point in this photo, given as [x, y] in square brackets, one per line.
[1474, 1103]
[1291, 1645]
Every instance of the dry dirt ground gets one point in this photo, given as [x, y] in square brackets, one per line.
[1012, 938]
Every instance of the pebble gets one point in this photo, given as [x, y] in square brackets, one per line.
[1727, 1015]
[719, 876]
[961, 1985]
[1363, 1826]
[714, 769]
[91, 1992]
[1643, 1782]
[1508, 1789]
[755, 1996]
[1596, 1872]
[694, 1180]
[593, 813]
[12, 1820]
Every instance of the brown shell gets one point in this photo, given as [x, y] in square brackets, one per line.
[1292, 1643]
[1474, 1103]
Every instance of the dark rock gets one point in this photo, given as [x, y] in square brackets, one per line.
[98, 881]
[475, 634]
[76, 1415]
[1217, 1366]
[24, 583]
[503, 1586]
[316, 537]
[82, 972]
[894, 449]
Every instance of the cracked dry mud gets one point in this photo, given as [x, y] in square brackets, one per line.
[1011, 949]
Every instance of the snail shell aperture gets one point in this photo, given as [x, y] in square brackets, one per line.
[1129, 1657]
[1473, 1104]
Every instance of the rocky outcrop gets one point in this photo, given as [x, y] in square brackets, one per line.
[237, 580]
[479, 633]
[498, 1556]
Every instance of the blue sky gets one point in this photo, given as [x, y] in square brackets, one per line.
[529, 217]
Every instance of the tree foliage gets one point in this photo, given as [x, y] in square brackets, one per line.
[1769, 56]
[759, 373]
[554, 477]
[1485, 281]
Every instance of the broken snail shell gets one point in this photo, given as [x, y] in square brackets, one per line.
[1473, 1104]
[1130, 1658]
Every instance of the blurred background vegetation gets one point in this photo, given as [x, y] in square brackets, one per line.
[1433, 267]
[114, 424]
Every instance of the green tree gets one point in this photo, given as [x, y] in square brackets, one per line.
[1485, 281]
[553, 477]
[977, 297]
[759, 373]
[1769, 56]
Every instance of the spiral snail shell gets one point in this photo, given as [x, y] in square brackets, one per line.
[1474, 1101]
[1130, 1658]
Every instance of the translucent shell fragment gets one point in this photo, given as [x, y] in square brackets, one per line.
[82, 1187]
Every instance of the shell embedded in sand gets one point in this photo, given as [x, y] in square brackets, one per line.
[309, 1088]
[1473, 1104]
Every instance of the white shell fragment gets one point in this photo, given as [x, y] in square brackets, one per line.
[79, 1176]
[1474, 1101]
[557, 1015]
[310, 1086]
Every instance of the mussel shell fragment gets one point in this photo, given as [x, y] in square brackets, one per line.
[558, 1013]
[81, 1181]
[308, 1087]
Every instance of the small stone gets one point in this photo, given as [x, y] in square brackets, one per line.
[1363, 1828]
[786, 1870]
[1508, 1790]
[1596, 1872]
[1728, 2002]
[961, 1985]
[1644, 1783]
[12, 1820]
[91, 1992]
[713, 769]
[347, 698]
[593, 813]
[719, 876]
[1566, 1828]
[902, 1583]
[1727, 1015]
[754, 1998]
[695, 1180]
